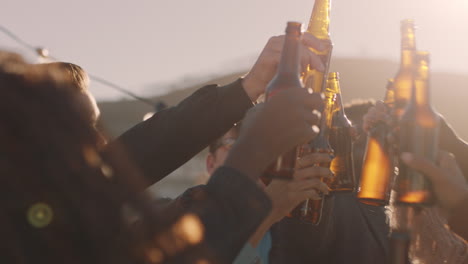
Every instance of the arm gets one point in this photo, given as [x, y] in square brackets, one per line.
[171, 137]
[448, 139]
[450, 187]
[231, 206]
[223, 214]
[450, 142]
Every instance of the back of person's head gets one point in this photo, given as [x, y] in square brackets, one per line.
[58, 204]
[8, 60]
[61, 199]
[74, 74]
[78, 83]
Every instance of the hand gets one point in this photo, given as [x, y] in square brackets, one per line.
[306, 184]
[379, 112]
[448, 182]
[287, 194]
[265, 68]
[273, 128]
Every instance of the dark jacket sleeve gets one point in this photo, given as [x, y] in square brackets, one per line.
[231, 207]
[173, 136]
[458, 221]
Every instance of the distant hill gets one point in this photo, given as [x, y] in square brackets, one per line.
[359, 79]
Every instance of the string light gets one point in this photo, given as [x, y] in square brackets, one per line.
[44, 57]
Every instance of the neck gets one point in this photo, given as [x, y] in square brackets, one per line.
[421, 94]
[289, 63]
[407, 56]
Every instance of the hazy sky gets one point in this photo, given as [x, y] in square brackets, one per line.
[137, 43]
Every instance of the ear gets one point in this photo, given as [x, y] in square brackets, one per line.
[210, 163]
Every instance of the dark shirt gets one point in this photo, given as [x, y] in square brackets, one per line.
[357, 233]
[350, 232]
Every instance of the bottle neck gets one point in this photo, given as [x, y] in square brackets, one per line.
[407, 58]
[289, 62]
[337, 116]
[408, 43]
[340, 114]
[420, 92]
[320, 19]
[408, 39]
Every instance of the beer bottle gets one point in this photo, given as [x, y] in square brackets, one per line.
[319, 27]
[340, 136]
[310, 211]
[404, 77]
[287, 77]
[378, 168]
[418, 134]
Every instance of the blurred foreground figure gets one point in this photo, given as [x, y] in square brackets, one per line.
[89, 221]
[432, 241]
[62, 197]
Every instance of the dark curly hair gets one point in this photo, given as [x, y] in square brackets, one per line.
[61, 200]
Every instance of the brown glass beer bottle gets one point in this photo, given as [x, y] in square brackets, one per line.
[319, 27]
[378, 168]
[340, 137]
[404, 77]
[418, 134]
[287, 77]
[310, 211]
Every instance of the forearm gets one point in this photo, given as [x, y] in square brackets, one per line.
[171, 137]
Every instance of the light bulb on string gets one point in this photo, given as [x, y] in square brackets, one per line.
[43, 55]
[148, 115]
